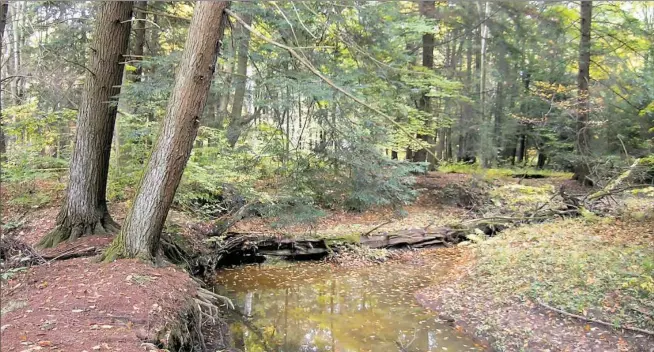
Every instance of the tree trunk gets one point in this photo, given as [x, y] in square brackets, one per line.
[583, 136]
[427, 9]
[85, 207]
[522, 146]
[236, 123]
[542, 158]
[466, 110]
[139, 39]
[448, 144]
[142, 229]
[16, 41]
[4, 8]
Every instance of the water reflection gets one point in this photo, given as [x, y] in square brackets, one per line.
[317, 307]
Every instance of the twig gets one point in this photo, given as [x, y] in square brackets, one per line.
[649, 315]
[376, 228]
[648, 332]
[166, 14]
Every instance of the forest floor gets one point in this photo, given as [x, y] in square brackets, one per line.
[79, 305]
[503, 288]
[599, 268]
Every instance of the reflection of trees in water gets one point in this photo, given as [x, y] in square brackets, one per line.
[350, 312]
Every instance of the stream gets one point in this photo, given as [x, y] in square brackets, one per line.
[321, 307]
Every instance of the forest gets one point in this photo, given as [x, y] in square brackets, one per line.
[342, 175]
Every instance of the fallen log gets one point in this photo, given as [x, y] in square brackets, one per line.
[236, 247]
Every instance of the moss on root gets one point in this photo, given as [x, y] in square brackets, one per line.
[64, 231]
[57, 235]
[115, 251]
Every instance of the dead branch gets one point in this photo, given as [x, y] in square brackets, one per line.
[606, 191]
[376, 228]
[600, 322]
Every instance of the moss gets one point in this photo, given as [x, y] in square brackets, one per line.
[496, 173]
[115, 251]
[57, 235]
[331, 240]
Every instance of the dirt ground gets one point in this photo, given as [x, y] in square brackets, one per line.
[79, 305]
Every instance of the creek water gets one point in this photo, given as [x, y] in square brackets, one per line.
[319, 307]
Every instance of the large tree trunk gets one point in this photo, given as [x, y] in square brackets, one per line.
[236, 123]
[142, 229]
[427, 9]
[85, 207]
[583, 134]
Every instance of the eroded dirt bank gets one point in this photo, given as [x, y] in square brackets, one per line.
[77, 305]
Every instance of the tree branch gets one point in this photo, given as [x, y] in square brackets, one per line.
[562, 312]
[329, 82]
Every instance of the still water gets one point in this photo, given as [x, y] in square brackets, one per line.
[319, 307]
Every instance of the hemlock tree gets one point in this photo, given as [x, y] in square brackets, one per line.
[237, 123]
[4, 8]
[583, 100]
[84, 210]
[142, 229]
[427, 9]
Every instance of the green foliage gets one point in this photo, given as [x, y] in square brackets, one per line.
[8, 274]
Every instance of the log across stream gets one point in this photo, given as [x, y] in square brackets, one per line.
[239, 248]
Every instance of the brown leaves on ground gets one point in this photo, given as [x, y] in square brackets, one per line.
[569, 264]
[78, 305]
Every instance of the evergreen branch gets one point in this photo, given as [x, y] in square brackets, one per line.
[329, 82]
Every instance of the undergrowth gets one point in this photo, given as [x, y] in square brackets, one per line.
[495, 173]
[602, 269]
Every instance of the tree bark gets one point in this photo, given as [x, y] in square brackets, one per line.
[4, 8]
[583, 135]
[236, 123]
[140, 236]
[139, 39]
[522, 147]
[85, 207]
[427, 9]
[463, 152]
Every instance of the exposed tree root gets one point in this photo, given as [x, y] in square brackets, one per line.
[67, 229]
[74, 252]
[186, 333]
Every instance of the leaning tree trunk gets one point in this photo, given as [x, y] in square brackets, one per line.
[583, 134]
[85, 207]
[236, 124]
[142, 230]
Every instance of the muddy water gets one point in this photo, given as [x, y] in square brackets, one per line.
[319, 307]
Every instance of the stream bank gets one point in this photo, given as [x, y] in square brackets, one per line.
[192, 244]
[519, 291]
